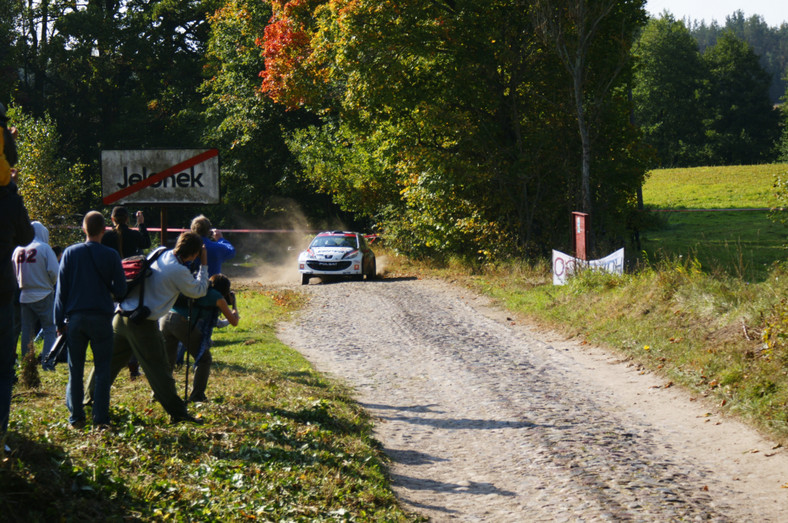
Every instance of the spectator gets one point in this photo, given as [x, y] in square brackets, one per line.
[218, 248]
[90, 274]
[169, 278]
[122, 238]
[36, 268]
[196, 334]
[127, 242]
[16, 230]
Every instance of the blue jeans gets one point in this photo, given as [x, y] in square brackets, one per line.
[96, 328]
[7, 357]
[39, 311]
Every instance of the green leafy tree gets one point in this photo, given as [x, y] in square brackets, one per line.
[258, 169]
[592, 40]
[451, 124]
[667, 91]
[769, 43]
[741, 124]
[8, 38]
[51, 186]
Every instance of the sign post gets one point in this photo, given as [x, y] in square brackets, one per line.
[160, 176]
[580, 223]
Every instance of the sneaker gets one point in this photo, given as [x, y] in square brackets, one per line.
[198, 398]
[77, 425]
[102, 427]
[187, 419]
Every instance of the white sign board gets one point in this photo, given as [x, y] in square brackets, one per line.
[160, 176]
[565, 265]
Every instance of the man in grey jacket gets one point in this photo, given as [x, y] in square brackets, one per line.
[141, 337]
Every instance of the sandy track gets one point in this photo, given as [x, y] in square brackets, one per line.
[488, 420]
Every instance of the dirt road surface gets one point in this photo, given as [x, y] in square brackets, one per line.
[486, 419]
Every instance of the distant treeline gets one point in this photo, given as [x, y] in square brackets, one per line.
[769, 43]
[708, 95]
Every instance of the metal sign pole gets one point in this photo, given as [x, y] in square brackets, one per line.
[163, 233]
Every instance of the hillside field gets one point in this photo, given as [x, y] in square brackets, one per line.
[718, 215]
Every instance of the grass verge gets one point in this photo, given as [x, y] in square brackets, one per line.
[279, 443]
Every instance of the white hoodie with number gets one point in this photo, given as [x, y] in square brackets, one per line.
[36, 267]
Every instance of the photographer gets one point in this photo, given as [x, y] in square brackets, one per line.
[139, 335]
[124, 239]
[127, 242]
[218, 248]
[196, 335]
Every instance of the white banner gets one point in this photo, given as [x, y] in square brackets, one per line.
[565, 265]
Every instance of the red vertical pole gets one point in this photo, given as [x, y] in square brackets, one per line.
[580, 221]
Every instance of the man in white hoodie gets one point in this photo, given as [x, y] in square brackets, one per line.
[36, 268]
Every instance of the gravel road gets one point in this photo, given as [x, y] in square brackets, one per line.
[487, 419]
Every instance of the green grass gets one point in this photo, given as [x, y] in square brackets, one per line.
[742, 186]
[742, 243]
[280, 442]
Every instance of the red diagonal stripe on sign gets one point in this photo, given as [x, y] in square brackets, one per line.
[131, 189]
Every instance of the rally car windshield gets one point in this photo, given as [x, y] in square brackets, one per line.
[335, 241]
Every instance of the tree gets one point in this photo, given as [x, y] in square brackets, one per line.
[667, 89]
[454, 116]
[51, 186]
[742, 124]
[769, 43]
[8, 16]
[583, 33]
[257, 167]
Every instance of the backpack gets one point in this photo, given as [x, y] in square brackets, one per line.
[137, 270]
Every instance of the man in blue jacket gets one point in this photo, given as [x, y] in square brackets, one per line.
[217, 247]
[90, 275]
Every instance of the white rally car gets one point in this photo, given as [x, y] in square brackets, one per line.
[337, 253]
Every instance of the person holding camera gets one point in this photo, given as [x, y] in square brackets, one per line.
[219, 249]
[123, 238]
[176, 328]
[90, 274]
[136, 325]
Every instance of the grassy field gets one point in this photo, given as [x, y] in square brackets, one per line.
[735, 238]
[279, 443]
[739, 187]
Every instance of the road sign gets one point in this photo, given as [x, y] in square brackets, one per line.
[156, 176]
